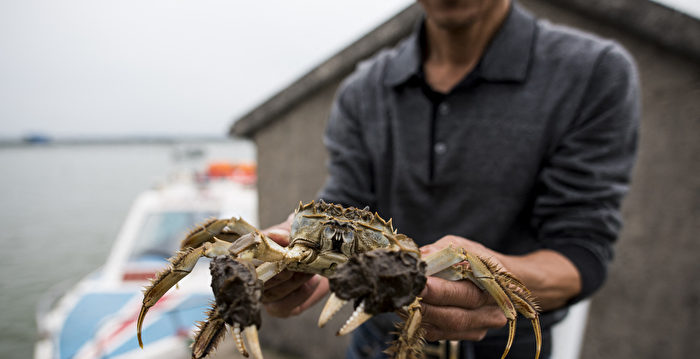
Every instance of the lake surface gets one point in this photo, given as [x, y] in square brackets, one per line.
[61, 208]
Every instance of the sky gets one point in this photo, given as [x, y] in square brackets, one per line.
[162, 67]
[690, 7]
[75, 68]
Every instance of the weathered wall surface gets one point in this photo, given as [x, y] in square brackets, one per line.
[650, 306]
[291, 157]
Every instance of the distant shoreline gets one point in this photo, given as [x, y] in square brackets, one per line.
[125, 140]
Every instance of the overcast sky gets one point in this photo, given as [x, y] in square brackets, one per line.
[91, 67]
[165, 67]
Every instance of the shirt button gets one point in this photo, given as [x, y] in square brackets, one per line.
[444, 109]
[440, 148]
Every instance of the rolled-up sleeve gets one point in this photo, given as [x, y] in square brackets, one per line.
[577, 209]
[349, 179]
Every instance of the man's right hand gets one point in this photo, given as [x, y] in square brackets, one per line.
[290, 293]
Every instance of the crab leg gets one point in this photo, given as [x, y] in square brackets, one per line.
[443, 259]
[510, 294]
[255, 245]
[209, 335]
[181, 265]
[228, 230]
[237, 287]
[483, 272]
[409, 342]
[524, 303]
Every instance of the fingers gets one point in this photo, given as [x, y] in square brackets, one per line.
[461, 242]
[453, 323]
[299, 299]
[280, 232]
[279, 235]
[280, 277]
[463, 294]
[458, 310]
[284, 284]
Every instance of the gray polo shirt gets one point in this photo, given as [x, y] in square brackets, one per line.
[532, 150]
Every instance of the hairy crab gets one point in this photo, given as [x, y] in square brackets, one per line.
[366, 260]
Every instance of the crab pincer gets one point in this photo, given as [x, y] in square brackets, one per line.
[237, 292]
[378, 281]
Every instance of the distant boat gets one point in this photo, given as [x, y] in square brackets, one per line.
[97, 317]
[36, 139]
[187, 152]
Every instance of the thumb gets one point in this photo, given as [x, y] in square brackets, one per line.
[278, 235]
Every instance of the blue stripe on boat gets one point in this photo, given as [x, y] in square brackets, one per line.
[85, 317]
[182, 317]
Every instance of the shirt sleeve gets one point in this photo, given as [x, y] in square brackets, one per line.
[349, 180]
[577, 209]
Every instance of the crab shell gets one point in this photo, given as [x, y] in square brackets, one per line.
[330, 234]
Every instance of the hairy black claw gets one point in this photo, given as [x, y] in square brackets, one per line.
[385, 280]
[237, 291]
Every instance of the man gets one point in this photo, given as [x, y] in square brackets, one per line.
[490, 125]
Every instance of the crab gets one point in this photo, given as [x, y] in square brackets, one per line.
[365, 259]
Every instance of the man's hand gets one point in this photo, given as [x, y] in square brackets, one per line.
[458, 310]
[290, 293]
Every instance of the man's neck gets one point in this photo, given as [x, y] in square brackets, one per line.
[452, 53]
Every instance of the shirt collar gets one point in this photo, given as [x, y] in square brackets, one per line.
[507, 57]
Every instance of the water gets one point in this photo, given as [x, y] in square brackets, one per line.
[60, 210]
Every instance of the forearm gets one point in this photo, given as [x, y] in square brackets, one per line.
[549, 275]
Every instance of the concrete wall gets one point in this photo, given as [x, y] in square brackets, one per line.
[650, 306]
[291, 157]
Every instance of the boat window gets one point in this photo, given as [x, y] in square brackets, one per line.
[162, 233]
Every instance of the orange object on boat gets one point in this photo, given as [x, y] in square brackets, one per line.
[245, 173]
[221, 169]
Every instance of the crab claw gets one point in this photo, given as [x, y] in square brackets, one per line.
[358, 317]
[237, 291]
[251, 344]
[333, 305]
[378, 281]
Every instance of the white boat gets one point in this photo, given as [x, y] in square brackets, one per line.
[97, 317]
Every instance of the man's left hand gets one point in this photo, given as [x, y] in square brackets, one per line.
[458, 310]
